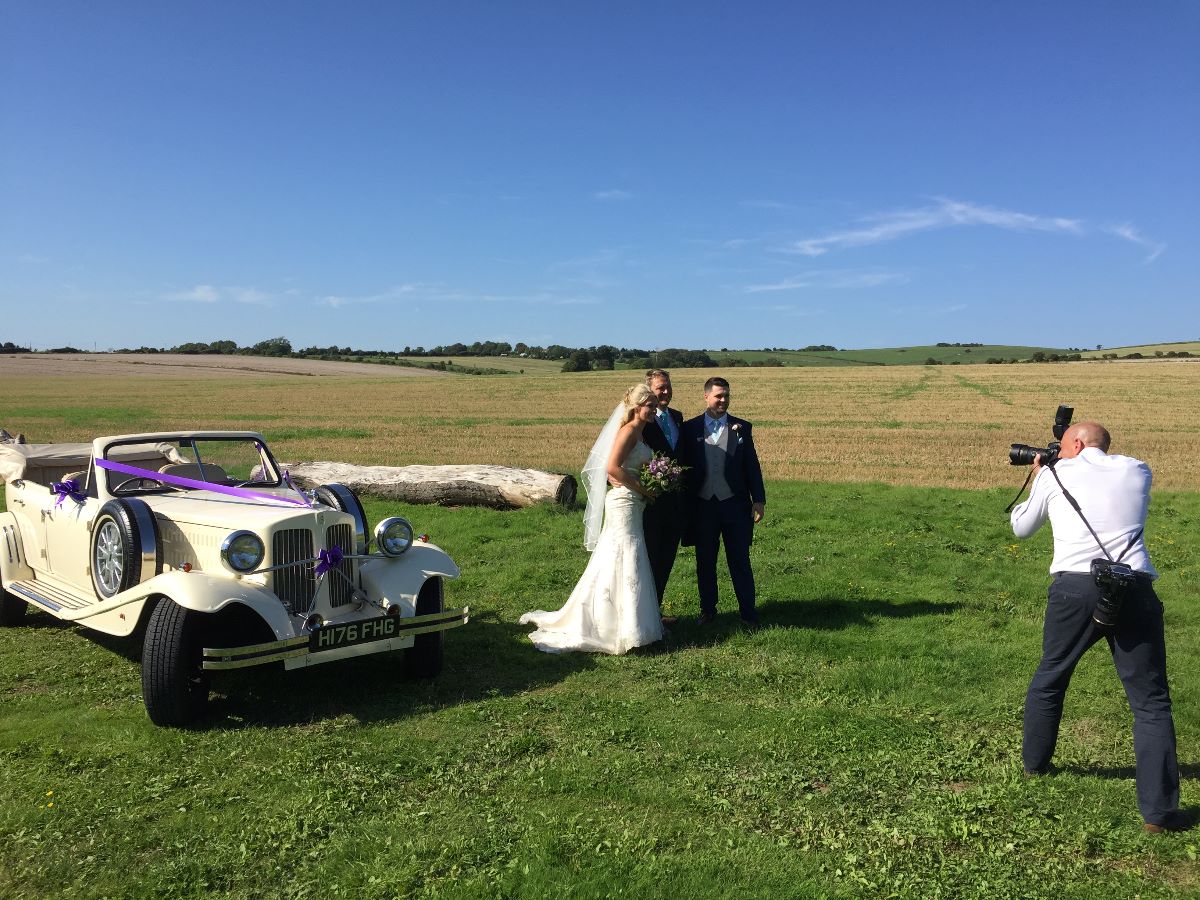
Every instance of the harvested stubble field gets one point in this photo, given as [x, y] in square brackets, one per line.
[925, 426]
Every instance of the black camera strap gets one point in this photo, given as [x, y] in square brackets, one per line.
[1075, 505]
[1010, 506]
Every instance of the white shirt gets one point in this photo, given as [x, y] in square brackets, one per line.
[1113, 492]
[714, 427]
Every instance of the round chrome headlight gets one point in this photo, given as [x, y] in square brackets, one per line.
[243, 551]
[393, 536]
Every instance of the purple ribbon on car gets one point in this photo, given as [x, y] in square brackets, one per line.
[65, 489]
[329, 559]
[180, 481]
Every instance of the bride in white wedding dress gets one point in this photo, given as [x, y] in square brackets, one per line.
[614, 607]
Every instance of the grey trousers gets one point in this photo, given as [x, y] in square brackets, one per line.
[1139, 652]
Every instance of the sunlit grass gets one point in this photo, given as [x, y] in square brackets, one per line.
[866, 743]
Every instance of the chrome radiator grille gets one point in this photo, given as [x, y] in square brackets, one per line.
[341, 536]
[296, 585]
[293, 585]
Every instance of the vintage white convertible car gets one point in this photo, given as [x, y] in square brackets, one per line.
[200, 540]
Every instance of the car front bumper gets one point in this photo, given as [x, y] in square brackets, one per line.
[336, 641]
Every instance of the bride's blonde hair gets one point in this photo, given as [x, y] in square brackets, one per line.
[635, 397]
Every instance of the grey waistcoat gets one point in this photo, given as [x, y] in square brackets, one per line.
[715, 484]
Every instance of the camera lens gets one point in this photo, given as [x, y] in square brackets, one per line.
[1023, 454]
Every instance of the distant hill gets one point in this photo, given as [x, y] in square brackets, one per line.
[1190, 347]
[889, 356]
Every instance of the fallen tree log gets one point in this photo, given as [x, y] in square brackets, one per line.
[497, 487]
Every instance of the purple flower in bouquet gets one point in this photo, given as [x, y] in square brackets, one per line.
[661, 475]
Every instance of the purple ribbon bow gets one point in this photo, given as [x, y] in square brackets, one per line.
[65, 489]
[287, 479]
[329, 559]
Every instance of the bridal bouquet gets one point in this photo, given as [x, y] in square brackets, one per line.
[662, 475]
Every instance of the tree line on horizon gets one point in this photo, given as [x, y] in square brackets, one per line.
[603, 357]
[575, 359]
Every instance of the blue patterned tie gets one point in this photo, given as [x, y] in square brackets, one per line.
[667, 426]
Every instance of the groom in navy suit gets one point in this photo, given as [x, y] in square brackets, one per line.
[727, 498]
[662, 522]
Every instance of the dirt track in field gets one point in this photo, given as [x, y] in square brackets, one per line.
[190, 366]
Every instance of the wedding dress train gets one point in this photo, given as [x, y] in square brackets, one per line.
[614, 607]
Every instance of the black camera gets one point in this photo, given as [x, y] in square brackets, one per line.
[1024, 455]
[1116, 581]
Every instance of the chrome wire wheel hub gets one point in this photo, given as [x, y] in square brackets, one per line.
[109, 563]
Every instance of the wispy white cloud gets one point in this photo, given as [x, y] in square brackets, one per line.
[201, 293]
[396, 292]
[252, 296]
[943, 213]
[834, 279]
[1128, 232]
[32, 259]
[737, 243]
[614, 194]
[208, 293]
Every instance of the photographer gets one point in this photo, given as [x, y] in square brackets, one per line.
[1113, 493]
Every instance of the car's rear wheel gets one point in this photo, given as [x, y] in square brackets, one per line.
[126, 547]
[424, 658]
[12, 610]
[174, 686]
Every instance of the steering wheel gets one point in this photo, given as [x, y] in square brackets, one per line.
[141, 484]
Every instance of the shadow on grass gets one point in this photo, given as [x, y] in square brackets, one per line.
[1189, 771]
[486, 658]
[830, 613]
[489, 657]
[824, 614]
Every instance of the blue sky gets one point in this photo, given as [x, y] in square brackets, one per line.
[640, 174]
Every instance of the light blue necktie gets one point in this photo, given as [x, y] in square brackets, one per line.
[667, 426]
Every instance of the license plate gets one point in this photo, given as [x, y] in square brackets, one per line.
[331, 637]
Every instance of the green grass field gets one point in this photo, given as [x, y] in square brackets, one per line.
[887, 356]
[866, 743]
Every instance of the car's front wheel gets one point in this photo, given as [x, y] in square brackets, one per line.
[424, 658]
[174, 686]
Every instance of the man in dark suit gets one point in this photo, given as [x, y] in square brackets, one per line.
[663, 519]
[727, 498]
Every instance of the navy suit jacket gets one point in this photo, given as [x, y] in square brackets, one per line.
[742, 471]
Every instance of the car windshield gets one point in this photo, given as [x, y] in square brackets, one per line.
[172, 464]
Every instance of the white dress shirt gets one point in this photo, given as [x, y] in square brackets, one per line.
[1113, 492]
[714, 427]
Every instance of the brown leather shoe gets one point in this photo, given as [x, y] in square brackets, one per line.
[670, 620]
[1176, 820]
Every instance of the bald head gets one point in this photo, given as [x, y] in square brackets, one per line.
[1089, 434]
